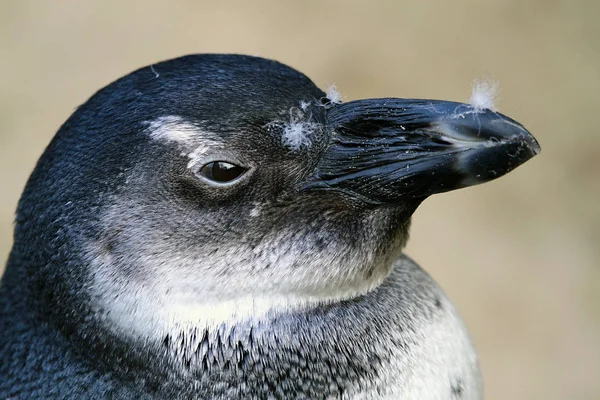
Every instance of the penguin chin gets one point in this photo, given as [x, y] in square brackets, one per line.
[150, 287]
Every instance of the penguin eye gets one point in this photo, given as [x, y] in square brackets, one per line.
[221, 171]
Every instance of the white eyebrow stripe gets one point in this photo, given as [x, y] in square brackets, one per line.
[196, 156]
[194, 142]
[172, 128]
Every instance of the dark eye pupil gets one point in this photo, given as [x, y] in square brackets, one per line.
[221, 171]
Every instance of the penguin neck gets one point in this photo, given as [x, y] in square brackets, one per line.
[211, 352]
[145, 317]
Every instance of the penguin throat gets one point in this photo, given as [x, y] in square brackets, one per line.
[144, 315]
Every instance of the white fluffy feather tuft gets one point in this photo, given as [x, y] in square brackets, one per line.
[484, 95]
[333, 95]
[297, 134]
[301, 129]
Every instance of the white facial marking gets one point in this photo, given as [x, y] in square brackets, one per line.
[196, 156]
[172, 128]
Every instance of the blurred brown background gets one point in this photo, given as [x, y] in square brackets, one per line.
[518, 256]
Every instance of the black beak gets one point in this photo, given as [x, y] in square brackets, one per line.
[386, 150]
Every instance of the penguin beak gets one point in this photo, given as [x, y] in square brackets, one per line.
[387, 150]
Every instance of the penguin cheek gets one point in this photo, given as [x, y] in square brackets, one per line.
[346, 247]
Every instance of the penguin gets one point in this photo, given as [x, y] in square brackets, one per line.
[217, 227]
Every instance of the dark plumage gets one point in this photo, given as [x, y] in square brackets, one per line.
[214, 227]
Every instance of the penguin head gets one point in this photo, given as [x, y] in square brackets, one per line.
[214, 187]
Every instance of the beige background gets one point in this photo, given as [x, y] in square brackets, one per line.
[518, 256]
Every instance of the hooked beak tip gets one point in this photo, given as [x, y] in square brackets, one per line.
[486, 145]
